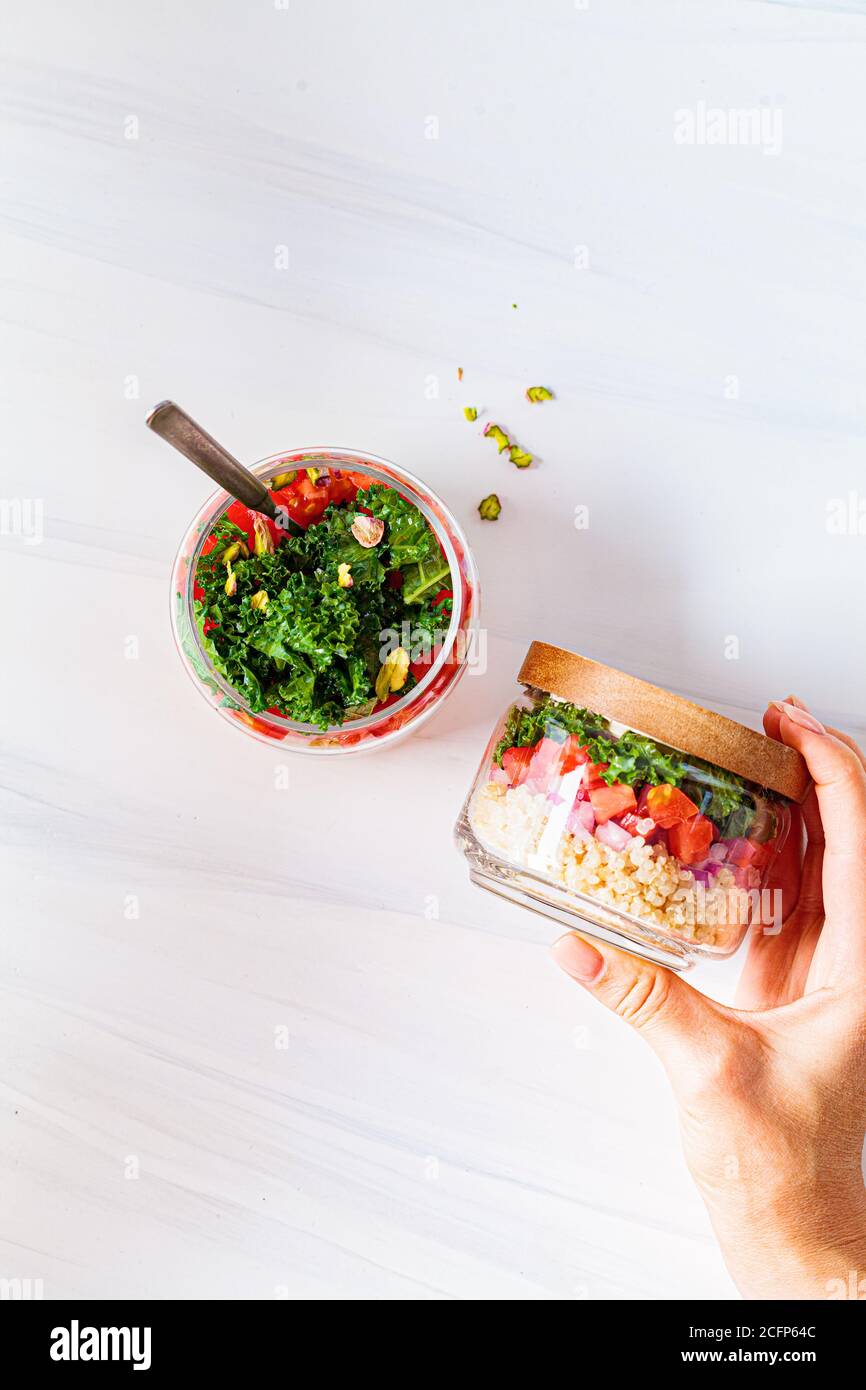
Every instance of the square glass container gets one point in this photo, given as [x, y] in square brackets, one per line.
[629, 813]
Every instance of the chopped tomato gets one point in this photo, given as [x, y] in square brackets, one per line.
[243, 517]
[341, 488]
[668, 805]
[516, 763]
[259, 725]
[240, 515]
[593, 775]
[608, 802]
[689, 840]
[573, 754]
[306, 501]
[360, 481]
[303, 500]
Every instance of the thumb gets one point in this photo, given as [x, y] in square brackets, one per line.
[677, 1021]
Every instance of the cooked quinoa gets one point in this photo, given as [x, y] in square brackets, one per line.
[644, 880]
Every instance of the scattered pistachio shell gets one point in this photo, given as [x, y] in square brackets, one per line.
[499, 436]
[263, 541]
[470, 412]
[231, 584]
[535, 394]
[489, 508]
[367, 530]
[519, 457]
[392, 673]
[260, 601]
[344, 576]
[283, 479]
[459, 373]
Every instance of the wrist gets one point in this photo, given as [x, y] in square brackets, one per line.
[803, 1240]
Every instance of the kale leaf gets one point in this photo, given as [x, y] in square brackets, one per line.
[407, 534]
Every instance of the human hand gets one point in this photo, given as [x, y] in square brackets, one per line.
[772, 1093]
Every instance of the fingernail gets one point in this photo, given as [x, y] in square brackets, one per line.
[578, 959]
[799, 716]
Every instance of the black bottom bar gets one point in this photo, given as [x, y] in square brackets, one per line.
[160, 1339]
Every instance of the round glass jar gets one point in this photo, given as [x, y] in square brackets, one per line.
[629, 813]
[400, 716]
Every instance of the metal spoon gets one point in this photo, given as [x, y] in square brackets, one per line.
[181, 431]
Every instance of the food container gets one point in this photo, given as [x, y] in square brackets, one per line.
[629, 813]
[433, 678]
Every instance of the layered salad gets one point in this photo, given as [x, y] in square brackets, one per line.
[332, 613]
[667, 839]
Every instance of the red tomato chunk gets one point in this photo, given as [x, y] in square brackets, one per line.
[608, 802]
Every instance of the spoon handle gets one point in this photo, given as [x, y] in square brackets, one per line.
[180, 430]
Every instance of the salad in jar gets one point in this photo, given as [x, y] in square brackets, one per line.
[638, 836]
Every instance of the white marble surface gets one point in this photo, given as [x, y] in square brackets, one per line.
[450, 1117]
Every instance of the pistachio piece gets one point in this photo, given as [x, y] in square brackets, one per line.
[231, 584]
[232, 552]
[367, 530]
[489, 507]
[392, 673]
[536, 394]
[499, 436]
[260, 601]
[344, 576]
[283, 479]
[319, 476]
[519, 457]
[470, 412]
[263, 540]
[459, 373]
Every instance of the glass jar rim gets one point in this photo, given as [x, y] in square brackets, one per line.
[671, 719]
[410, 487]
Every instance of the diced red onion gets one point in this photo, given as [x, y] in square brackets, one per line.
[613, 836]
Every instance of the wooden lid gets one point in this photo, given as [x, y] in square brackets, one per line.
[668, 718]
